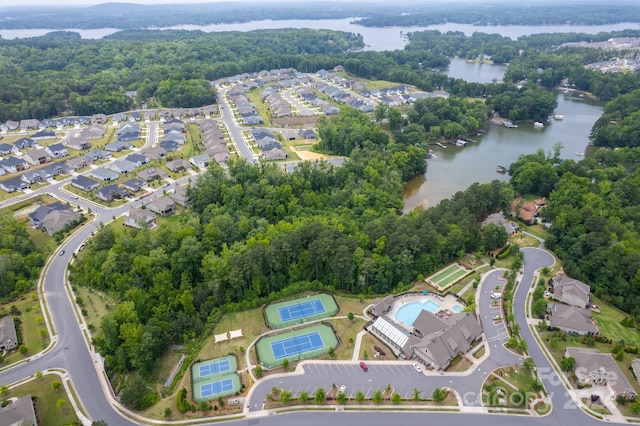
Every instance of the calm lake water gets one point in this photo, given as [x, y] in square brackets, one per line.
[475, 72]
[387, 38]
[455, 168]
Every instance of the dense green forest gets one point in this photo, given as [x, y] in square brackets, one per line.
[256, 233]
[375, 13]
[20, 261]
[619, 126]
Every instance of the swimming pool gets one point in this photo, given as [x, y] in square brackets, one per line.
[456, 308]
[408, 313]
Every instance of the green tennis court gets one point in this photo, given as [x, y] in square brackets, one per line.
[303, 343]
[298, 311]
[452, 278]
[214, 378]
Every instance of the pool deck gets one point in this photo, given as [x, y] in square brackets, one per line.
[445, 302]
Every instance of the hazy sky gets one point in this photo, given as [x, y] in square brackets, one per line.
[92, 2]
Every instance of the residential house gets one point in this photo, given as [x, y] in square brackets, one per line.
[13, 164]
[122, 166]
[154, 152]
[12, 125]
[30, 124]
[129, 132]
[571, 291]
[57, 220]
[600, 369]
[174, 136]
[78, 143]
[57, 150]
[19, 412]
[169, 146]
[44, 134]
[251, 119]
[103, 174]
[96, 155]
[498, 219]
[179, 195]
[34, 176]
[77, 163]
[222, 157]
[98, 119]
[6, 149]
[55, 169]
[178, 165]
[140, 218]
[24, 143]
[13, 185]
[164, 206]
[37, 216]
[117, 146]
[525, 211]
[93, 132]
[117, 118]
[37, 157]
[200, 161]
[307, 134]
[289, 134]
[111, 192]
[275, 154]
[133, 185]
[8, 335]
[152, 173]
[136, 116]
[84, 183]
[571, 319]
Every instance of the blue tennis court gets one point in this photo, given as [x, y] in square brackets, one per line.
[296, 345]
[210, 389]
[214, 368]
[301, 310]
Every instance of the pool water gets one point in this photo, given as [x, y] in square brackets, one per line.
[456, 308]
[408, 313]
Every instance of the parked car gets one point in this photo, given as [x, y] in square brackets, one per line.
[342, 389]
[496, 295]
[417, 367]
[61, 253]
[364, 366]
[497, 317]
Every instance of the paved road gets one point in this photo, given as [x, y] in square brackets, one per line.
[226, 115]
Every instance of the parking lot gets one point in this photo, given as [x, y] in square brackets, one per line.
[355, 379]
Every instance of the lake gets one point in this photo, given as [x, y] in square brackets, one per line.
[455, 168]
[475, 72]
[387, 38]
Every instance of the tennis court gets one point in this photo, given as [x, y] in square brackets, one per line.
[212, 389]
[297, 311]
[296, 345]
[215, 377]
[214, 367]
[301, 310]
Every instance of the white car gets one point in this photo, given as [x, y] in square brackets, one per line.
[342, 389]
[417, 367]
[496, 295]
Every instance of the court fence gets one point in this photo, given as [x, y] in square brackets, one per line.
[266, 358]
[273, 320]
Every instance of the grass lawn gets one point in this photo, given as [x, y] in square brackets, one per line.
[479, 352]
[507, 387]
[46, 411]
[452, 278]
[263, 109]
[538, 230]
[252, 324]
[345, 330]
[367, 344]
[31, 326]
[97, 304]
[608, 320]
[462, 364]
[445, 273]
[378, 84]
[351, 304]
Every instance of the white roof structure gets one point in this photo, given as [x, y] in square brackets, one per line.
[221, 337]
[235, 333]
[390, 331]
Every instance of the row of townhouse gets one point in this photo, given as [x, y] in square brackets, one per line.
[343, 96]
[269, 145]
[214, 141]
